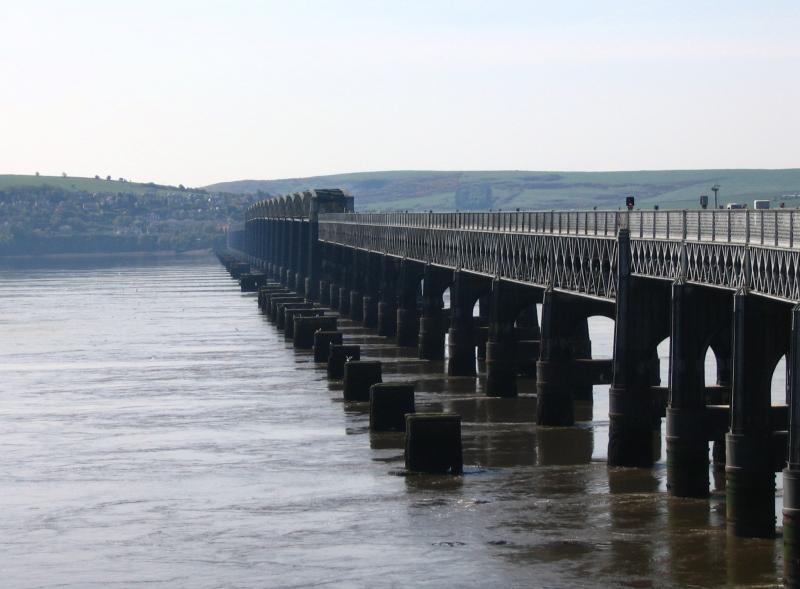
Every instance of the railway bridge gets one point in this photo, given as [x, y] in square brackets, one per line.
[707, 279]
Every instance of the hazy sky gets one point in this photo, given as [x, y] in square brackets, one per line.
[203, 91]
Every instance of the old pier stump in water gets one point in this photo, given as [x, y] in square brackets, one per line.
[322, 344]
[292, 314]
[359, 376]
[433, 443]
[305, 327]
[284, 307]
[267, 290]
[252, 281]
[389, 402]
[338, 356]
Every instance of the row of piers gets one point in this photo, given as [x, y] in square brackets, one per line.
[432, 441]
[456, 317]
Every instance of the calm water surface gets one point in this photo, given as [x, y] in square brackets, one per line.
[156, 430]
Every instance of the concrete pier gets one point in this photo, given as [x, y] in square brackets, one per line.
[433, 323]
[433, 443]
[305, 327]
[283, 308]
[323, 340]
[791, 474]
[358, 377]
[387, 305]
[388, 405]
[291, 314]
[339, 354]
[464, 292]
[634, 413]
[758, 343]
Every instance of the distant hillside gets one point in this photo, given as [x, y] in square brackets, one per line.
[414, 190]
[72, 184]
[56, 215]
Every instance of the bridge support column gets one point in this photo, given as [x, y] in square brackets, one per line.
[345, 259]
[791, 474]
[461, 334]
[335, 266]
[432, 323]
[482, 325]
[408, 286]
[356, 298]
[291, 254]
[564, 338]
[372, 279]
[760, 338]
[528, 334]
[387, 307]
[501, 348]
[324, 292]
[314, 255]
[721, 347]
[303, 256]
[642, 321]
[687, 436]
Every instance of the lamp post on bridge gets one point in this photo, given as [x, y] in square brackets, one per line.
[715, 188]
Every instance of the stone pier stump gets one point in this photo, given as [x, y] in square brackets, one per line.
[389, 402]
[433, 443]
[322, 344]
[338, 356]
[359, 376]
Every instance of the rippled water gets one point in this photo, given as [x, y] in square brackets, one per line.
[155, 429]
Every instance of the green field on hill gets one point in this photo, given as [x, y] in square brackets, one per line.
[69, 183]
[421, 190]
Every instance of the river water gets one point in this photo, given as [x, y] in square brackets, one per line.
[156, 431]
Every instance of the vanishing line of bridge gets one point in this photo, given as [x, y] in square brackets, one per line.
[724, 280]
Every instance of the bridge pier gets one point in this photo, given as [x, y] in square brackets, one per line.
[356, 302]
[560, 380]
[301, 230]
[291, 247]
[528, 335]
[697, 316]
[433, 323]
[372, 281]
[501, 348]
[314, 255]
[387, 307]
[408, 288]
[464, 292]
[345, 265]
[642, 321]
[791, 474]
[760, 338]
[334, 260]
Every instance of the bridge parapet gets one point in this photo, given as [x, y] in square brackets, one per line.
[543, 249]
[576, 250]
[777, 228]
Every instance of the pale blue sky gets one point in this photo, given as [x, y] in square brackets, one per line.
[205, 91]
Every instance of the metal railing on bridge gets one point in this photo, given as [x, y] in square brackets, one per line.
[776, 228]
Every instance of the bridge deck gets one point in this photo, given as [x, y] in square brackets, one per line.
[576, 251]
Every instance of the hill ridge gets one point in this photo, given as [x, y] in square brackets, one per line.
[449, 190]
